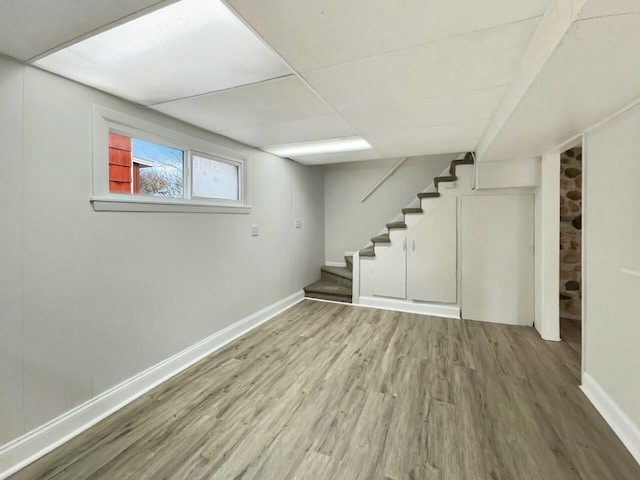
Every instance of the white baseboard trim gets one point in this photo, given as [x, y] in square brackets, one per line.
[335, 264]
[35, 444]
[433, 309]
[624, 428]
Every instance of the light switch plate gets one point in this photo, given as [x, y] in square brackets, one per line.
[298, 223]
[254, 230]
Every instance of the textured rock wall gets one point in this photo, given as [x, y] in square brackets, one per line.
[570, 233]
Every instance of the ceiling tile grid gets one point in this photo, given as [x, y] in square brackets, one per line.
[272, 101]
[470, 62]
[410, 77]
[292, 131]
[312, 34]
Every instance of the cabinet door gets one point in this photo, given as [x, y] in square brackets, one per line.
[433, 247]
[390, 270]
[497, 258]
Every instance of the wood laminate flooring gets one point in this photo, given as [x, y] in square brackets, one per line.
[329, 391]
[571, 332]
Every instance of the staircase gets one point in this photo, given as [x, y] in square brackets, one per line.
[336, 284]
[370, 251]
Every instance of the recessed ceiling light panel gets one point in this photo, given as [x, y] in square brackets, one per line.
[334, 145]
[188, 48]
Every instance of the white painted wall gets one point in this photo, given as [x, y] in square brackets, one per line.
[11, 412]
[518, 172]
[85, 306]
[349, 223]
[611, 222]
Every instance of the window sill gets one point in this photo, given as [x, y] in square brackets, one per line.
[108, 204]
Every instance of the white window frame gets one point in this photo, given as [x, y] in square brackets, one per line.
[218, 158]
[106, 120]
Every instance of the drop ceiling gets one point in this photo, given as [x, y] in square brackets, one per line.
[592, 73]
[421, 78]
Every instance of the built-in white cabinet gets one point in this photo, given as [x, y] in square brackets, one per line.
[433, 247]
[420, 264]
[391, 265]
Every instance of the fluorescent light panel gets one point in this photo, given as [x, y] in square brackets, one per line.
[334, 145]
[153, 30]
[187, 48]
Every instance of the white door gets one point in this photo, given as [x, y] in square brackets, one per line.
[497, 258]
[433, 248]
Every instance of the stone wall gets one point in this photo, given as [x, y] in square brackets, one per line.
[571, 233]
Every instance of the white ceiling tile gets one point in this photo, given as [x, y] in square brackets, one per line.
[292, 131]
[422, 77]
[430, 148]
[340, 157]
[279, 100]
[470, 62]
[419, 141]
[592, 74]
[446, 109]
[188, 48]
[602, 8]
[312, 34]
[31, 27]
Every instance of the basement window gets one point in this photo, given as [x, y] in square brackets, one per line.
[138, 166]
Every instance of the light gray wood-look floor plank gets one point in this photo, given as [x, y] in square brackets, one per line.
[328, 391]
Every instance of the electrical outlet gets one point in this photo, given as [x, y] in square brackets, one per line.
[298, 223]
[254, 230]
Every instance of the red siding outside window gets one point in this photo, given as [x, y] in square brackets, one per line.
[120, 164]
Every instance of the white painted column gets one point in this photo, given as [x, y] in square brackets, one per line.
[548, 249]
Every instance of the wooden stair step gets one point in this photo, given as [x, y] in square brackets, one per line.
[393, 225]
[381, 239]
[411, 210]
[342, 272]
[368, 252]
[422, 195]
[467, 160]
[328, 296]
[323, 287]
[443, 179]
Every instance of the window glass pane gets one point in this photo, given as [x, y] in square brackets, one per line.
[214, 179]
[139, 167]
[161, 169]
